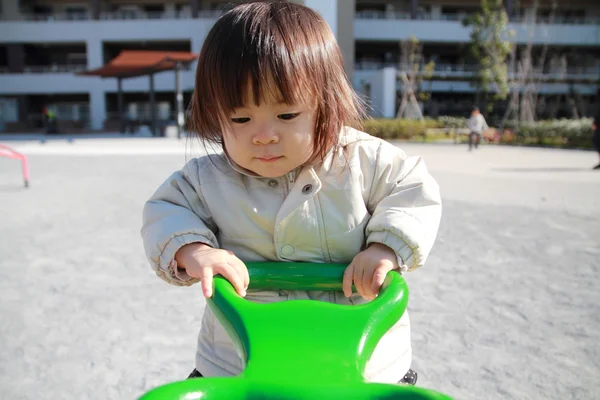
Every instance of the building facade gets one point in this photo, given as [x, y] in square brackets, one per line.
[43, 43]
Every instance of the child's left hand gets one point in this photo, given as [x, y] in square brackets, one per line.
[368, 270]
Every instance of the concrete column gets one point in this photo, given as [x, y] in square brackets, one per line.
[380, 87]
[95, 59]
[10, 10]
[95, 53]
[345, 33]
[328, 10]
[339, 14]
[153, 109]
[388, 95]
[97, 109]
[179, 101]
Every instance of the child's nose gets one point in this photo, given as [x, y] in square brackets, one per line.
[266, 135]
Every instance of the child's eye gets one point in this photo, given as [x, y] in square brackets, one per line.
[287, 117]
[240, 120]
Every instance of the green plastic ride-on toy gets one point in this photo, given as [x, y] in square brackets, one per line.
[300, 349]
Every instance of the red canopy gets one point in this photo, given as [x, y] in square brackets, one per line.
[132, 63]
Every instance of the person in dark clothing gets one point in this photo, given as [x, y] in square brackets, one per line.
[596, 137]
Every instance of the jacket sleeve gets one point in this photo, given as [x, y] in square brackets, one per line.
[405, 206]
[174, 216]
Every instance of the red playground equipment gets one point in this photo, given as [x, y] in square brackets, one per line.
[6, 151]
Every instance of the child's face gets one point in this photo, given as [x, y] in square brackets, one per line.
[271, 139]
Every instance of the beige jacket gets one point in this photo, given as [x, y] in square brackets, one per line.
[369, 192]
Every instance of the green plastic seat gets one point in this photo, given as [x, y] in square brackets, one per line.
[300, 349]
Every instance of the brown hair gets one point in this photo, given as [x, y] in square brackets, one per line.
[256, 46]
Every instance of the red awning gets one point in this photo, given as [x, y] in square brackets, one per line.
[132, 63]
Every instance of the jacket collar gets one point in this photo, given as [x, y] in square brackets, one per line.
[238, 168]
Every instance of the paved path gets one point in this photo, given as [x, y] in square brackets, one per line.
[508, 306]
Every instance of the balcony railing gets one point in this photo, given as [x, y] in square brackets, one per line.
[468, 70]
[46, 69]
[438, 69]
[373, 65]
[58, 16]
[428, 16]
[382, 15]
[119, 15]
[145, 15]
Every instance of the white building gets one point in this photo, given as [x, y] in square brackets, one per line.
[44, 42]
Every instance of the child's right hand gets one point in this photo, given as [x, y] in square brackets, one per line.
[204, 262]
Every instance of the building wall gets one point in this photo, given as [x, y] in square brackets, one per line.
[345, 33]
[394, 25]
[454, 32]
[94, 35]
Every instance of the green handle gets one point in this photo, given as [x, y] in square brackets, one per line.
[295, 276]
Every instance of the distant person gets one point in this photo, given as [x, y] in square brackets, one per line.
[49, 120]
[45, 123]
[596, 136]
[477, 126]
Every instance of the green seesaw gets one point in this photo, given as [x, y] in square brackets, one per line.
[300, 349]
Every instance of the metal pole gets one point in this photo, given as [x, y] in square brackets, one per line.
[153, 106]
[120, 103]
[179, 100]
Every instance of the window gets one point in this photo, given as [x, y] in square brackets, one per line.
[154, 11]
[76, 13]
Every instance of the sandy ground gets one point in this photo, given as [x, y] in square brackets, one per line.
[507, 307]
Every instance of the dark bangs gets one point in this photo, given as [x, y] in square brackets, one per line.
[280, 49]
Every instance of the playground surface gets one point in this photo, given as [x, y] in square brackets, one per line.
[507, 306]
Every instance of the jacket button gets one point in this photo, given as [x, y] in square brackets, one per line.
[307, 189]
[273, 183]
[287, 250]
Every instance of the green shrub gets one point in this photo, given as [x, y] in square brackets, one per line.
[399, 128]
[557, 133]
[453, 122]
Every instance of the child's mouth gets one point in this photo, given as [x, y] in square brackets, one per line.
[269, 159]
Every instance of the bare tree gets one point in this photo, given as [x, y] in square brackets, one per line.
[552, 103]
[411, 74]
[528, 73]
[525, 76]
